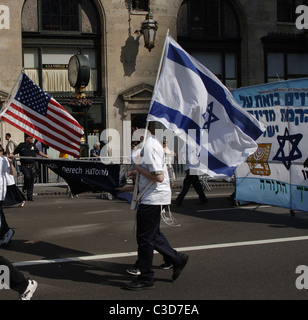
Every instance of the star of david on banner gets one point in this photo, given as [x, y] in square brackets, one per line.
[294, 154]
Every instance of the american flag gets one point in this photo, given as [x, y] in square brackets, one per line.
[36, 113]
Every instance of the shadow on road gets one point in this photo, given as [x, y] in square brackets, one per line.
[95, 272]
[217, 209]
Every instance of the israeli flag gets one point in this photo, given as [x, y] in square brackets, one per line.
[191, 101]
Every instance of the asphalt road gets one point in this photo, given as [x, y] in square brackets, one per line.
[79, 249]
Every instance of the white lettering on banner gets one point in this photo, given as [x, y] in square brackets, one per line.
[4, 17]
[88, 171]
[97, 172]
[72, 170]
[302, 20]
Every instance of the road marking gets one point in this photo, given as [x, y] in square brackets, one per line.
[131, 254]
[102, 211]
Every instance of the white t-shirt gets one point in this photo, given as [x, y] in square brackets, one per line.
[153, 159]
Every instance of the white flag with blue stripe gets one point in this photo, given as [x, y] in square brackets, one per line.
[191, 101]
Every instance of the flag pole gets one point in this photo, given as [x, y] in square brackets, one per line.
[133, 204]
[161, 59]
[9, 95]
[159, 71]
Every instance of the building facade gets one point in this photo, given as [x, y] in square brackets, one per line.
[243, 42]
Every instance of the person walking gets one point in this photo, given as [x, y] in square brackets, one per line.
[13, 195]
[9, 149]
[6, 166]
[28, 166]
[17, 281]
[156, 192]
[191, 178]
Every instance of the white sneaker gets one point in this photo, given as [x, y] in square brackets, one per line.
[22, 204]
[134, 271]
[27, 295]
[7, 237]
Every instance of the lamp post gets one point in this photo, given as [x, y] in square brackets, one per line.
[148, 29]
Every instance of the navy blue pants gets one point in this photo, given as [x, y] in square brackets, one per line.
[29, 178]
[149, 237]
[195, 182]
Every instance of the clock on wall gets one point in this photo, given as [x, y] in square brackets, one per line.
[78, 71]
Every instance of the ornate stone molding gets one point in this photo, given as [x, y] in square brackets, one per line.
[137, 99]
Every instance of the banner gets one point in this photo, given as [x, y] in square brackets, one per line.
[84, 176]
[276, 173]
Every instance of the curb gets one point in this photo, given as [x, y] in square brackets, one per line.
[46, 190]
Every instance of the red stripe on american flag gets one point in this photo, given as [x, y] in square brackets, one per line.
[67, 148]
[63, 114]
[68, 144]
[46, 124]
[49, 143]
[63, 125]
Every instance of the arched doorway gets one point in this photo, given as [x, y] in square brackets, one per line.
[53, 31]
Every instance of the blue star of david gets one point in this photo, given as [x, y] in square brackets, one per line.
[295, 153]
[211, 118]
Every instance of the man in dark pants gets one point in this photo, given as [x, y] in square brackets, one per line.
[154, 186]
[190, 179]
[18, 282]
[28, 166]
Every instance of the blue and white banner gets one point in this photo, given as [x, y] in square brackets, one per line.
[191, 101]
[276, 174]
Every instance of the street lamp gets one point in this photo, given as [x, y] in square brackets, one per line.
[148, 29]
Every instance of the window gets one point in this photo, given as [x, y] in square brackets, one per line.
[141, 5]
[285, 56]
[60, 15]
[223, 65]
[285, 66]
[207, 18]
[210, 31]
[286, 9]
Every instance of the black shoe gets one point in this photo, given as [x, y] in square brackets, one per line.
[140, 285]
[30, 199]
[178, 267]
[6, 239]
[176, 202]
[202, 202]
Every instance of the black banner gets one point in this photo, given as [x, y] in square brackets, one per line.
[83, 176]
